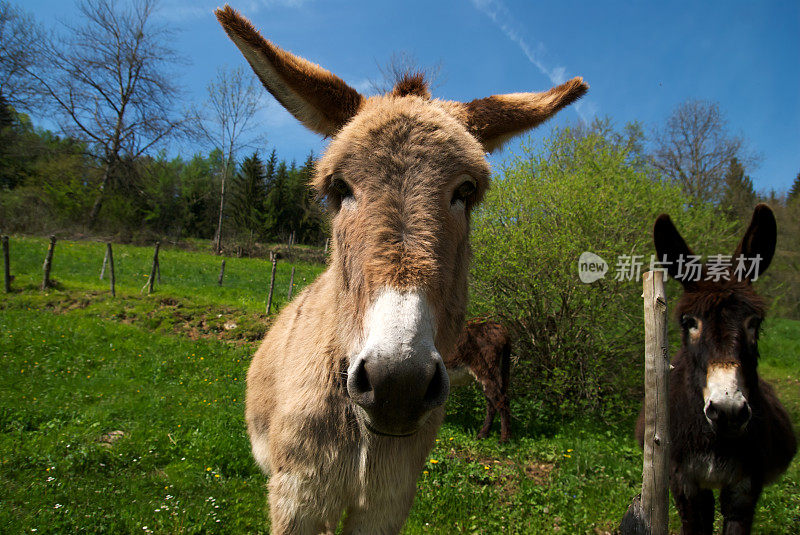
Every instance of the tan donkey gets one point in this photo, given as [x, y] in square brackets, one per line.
[346, 393]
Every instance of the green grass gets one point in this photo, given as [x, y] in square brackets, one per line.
[77, 365]
[184, 274]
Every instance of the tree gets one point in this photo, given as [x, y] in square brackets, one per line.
[401, 64]
[108, 83]
[739, 197]
[794, 191]
[234, 99]
[249, 196]
[694, 149]
[20, 55]
[579, 194]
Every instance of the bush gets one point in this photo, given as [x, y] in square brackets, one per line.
[578, 346]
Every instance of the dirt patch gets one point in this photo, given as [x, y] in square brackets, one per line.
[539, 472]
[503, 473]
[110, 438]
[169, 315]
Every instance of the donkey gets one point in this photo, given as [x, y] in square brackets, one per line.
[728, 430]
[346, 393]
[483, 352]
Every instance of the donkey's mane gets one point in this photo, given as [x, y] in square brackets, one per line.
[710, 296]
[412, 83]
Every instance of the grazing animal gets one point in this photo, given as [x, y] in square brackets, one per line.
[728, 430]
[483, 352]
[346, 393]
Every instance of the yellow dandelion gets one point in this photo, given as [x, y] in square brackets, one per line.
[434, 461]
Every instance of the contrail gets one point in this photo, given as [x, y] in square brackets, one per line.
[502, 18]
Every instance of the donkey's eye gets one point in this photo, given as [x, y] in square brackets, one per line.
[463, 192]
[340, 189]
[752, 326]
[689, 322]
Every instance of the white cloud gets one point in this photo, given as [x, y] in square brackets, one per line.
[503, 19]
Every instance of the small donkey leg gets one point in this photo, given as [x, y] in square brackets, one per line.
[738, 505]
[487, 423]
[505, 419]
[696, 511]
[295, 508]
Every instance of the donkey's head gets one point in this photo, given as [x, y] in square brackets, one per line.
[720, 319]
[401, 175]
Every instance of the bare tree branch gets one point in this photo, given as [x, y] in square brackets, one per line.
[234, 98]
[109, 83]
[20, 52]
[695, 149]
[399, 65]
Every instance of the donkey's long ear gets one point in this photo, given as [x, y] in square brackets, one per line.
[496, 119]
[671, 247]
[758, 242]
[320, 100]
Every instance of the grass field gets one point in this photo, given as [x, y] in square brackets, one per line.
[125, 415]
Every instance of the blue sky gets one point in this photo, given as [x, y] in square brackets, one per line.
[640, 58]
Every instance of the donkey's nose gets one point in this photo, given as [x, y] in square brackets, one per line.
[730, 417]
[397, 393]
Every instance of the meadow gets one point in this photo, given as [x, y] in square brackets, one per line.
[125, 415]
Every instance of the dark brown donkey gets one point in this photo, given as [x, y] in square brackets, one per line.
[728, 430]
[483, 352]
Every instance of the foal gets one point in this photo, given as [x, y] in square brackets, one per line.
[727, 428]
[483, 352]
[345, 394]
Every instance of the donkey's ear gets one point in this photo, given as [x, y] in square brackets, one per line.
[320, 100]
[758, 242]
[496, 119]
[670, 246]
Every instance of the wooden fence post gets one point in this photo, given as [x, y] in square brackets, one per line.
[291, 285]
[48, 263]
[6, 266]
[326, 245]
[649, 513]
[221, 273]
[274, 259]
[110, 257]
[152, 279]
[105, 261]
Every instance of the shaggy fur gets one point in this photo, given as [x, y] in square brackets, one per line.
[391, 177]
[720, 329]
[484, 351]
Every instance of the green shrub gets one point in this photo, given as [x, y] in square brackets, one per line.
[578, 346]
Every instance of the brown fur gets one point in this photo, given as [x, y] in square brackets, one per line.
[412, 84]
[484, 348]
[702, 457]
[389, 175]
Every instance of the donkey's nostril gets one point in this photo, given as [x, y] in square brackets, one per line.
[438, 387]
[711, 412]
[743, 414]
[359, 386]
[362, 379]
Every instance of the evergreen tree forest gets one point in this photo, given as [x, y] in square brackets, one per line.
[48, 183]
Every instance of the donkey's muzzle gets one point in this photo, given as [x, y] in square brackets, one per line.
[397, 393]
[729, 418]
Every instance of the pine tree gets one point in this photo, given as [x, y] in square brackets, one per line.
[248, 197]
[794, 191]
[270, 169]
[739, 197]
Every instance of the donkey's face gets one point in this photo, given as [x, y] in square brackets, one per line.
[401, 176]
[720, 322]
